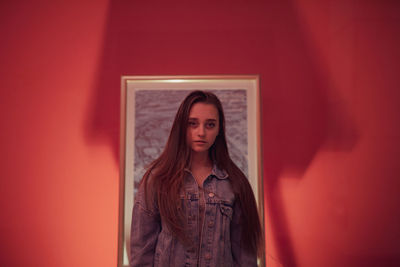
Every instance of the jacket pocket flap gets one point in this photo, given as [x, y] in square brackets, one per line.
[227, 211]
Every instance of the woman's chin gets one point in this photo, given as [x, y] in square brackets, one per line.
[200, 149]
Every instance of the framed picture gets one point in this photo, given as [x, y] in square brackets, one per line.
[148, 108]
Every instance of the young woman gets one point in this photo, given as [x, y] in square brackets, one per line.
[195, 207]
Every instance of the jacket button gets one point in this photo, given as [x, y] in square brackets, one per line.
[211, 224]
[207, 256]
[211, 194]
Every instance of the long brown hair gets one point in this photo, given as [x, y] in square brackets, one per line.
[164, 178]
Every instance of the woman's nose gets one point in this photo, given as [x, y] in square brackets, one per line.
[201, 130]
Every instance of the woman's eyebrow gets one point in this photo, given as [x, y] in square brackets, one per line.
[195, 119]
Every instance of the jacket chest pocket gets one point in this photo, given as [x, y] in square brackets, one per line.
[226, 213]
[189, 202]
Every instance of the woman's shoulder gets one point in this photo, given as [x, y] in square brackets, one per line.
[146, 195]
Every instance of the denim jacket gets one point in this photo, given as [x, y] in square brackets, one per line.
[152, 244]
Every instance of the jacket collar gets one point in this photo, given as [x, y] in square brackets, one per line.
[220, 174]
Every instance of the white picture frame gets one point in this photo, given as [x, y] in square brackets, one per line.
[148, 107]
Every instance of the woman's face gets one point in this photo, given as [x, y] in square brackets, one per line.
[203, 127]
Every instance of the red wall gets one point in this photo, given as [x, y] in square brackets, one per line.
[330, 95]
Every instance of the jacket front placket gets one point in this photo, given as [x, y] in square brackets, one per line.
[206, 243]
[192, 222]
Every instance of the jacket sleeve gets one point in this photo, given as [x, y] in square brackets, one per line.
[146, 225]
[241, 257]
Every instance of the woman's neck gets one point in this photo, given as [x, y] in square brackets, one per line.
[200, 160]
[200, 167]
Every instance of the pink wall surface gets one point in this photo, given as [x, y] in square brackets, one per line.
[330, 101]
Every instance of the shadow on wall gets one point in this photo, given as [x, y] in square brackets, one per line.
[299, 116]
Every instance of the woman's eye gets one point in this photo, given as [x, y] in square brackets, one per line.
[192, 123]
[210, 125]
